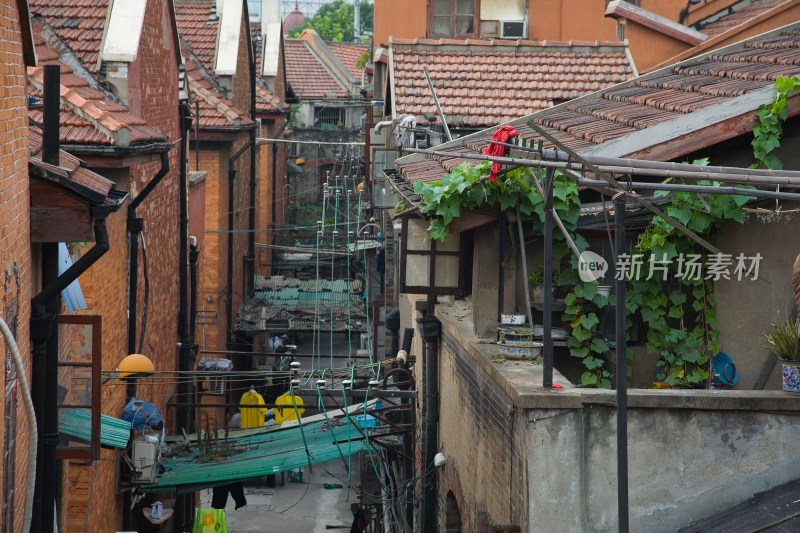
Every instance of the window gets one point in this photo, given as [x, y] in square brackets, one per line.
[329, 117]
[452, 18]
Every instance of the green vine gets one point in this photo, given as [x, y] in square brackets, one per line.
[680, 321]
[767, 132]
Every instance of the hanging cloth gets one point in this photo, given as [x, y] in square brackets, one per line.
[252, 417]
[284, 409]
[210, 521]
[503, 134]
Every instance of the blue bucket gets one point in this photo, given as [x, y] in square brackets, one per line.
[723, 372]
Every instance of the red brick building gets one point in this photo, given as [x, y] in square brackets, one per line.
[120, 113]
[15, 251]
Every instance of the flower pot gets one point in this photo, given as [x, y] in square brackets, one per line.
[537, 291]
[791, 376]
[520, 350]
[605, 290]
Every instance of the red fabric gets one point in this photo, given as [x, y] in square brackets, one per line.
[503, 135]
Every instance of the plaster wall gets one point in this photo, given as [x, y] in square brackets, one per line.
[683, 465]
[407, 19]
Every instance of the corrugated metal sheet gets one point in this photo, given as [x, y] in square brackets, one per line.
[256, 455]
[77, 424]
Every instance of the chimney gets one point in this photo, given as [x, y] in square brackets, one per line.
[270, 13]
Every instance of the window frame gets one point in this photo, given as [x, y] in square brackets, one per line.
[92, 451]
[476, 20]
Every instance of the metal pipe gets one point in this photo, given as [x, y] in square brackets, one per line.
[620, 243]
[185, 362]
[251, 236]
[438, 107]
[431, 378]
[501, 271]
[547, 313]
[777, 178]
[597, 160]
[44, 335]
[229, 280]
[380, 125]
[135, 227]
[736, 191]
[51, 118]
[523, 259]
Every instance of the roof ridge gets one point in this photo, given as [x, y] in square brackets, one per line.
[510, 43]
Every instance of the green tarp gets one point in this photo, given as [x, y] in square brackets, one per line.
[257, 454]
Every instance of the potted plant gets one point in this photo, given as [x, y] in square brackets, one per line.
[536, 283]
[782, 341]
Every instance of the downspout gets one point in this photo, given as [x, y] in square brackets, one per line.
[250, 261]
[229, 292]
[185, 363]
[135, 227]
[44, 334]
[431, 378]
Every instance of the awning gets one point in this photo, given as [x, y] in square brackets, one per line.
[76, 423]
[259, 453]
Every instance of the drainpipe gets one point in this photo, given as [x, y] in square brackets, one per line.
[185, 363]
[430, 329]
[250, 261]
[231, 183]
[44, 335]
[135, 227]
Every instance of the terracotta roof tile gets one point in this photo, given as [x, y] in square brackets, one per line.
[349, 53]
[308, 77]
[739, 16]
[69, 172]
[642, 103]
[484, 84]
[198, 29]
[216, 111]
[89, 116]
[79, 24]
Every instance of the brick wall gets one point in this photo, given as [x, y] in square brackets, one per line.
[484, 440]
[15, 249]
[211, 272]
[89, 494]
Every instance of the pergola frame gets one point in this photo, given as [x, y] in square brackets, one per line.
[576, 168]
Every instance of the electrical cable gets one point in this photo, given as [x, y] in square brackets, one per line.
[33, 436]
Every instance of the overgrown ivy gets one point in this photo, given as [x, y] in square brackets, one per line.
[769, 128]
[680, 321]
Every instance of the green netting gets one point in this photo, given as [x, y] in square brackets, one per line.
[255, 455]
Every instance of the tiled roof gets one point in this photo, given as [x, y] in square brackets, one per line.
[89, 116]
[79, 23]
[480, 83]
[349, 53]
[308, 77]
[739, 15]
[198, 29]
[69, 173]
[216, 112]
[649, 110]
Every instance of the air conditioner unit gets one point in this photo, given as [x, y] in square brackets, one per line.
[513, 29]
[145, 459]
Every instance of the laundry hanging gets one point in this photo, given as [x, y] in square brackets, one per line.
[285, 409]
[252, 417]
[503, 134]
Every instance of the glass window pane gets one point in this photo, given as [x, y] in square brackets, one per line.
[446, 271]
[441, 27]
[465, 25]
[418, 270]
[441, 7]
[465, 7]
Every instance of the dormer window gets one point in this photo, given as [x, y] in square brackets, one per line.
[453, 18]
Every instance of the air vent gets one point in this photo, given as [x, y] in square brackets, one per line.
[512, 29]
